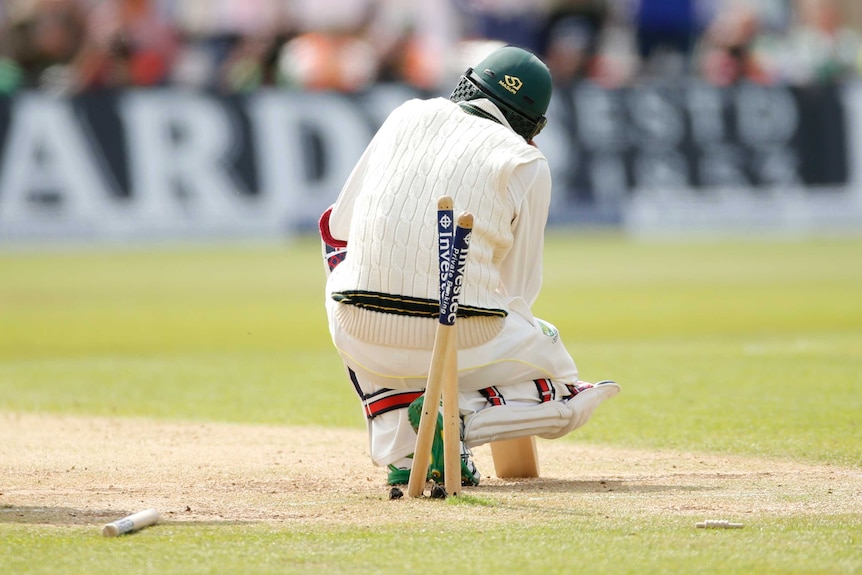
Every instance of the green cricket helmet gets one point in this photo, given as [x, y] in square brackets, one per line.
[517, 82]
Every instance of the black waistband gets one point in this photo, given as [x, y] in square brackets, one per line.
[407, 305]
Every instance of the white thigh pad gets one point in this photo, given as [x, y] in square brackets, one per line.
[547, 420]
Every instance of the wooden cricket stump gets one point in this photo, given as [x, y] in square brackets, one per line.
[443, 371]
[515, 458]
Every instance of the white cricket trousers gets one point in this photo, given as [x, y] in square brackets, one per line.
[525, 350]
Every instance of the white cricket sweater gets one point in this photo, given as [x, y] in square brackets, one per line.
[424, 150]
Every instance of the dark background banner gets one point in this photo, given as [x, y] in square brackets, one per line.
[168, 162]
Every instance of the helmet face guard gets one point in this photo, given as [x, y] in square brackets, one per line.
[470, 89]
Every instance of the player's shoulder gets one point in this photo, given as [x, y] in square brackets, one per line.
[418, 110]
[418, 105]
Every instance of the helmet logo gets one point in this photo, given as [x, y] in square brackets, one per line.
[511, 83]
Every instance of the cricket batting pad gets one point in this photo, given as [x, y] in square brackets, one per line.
[547, 420]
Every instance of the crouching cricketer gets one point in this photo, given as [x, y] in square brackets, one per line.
[516, 379]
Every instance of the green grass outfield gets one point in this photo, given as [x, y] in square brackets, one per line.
[737, 347]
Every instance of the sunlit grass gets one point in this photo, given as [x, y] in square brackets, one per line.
[733, 347]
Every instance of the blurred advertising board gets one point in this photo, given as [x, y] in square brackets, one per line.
[170, 163]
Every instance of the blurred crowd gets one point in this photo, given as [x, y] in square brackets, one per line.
[232, 46]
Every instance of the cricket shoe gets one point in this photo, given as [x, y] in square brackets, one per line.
[469, 474]
[398, 475]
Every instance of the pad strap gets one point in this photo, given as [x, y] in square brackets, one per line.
[382, 400]
[493, 395]
[545, 389]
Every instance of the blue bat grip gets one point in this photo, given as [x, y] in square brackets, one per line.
[454, 282]
[445, 237]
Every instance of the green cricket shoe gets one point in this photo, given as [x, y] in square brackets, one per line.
[398, 476]
[469, 474]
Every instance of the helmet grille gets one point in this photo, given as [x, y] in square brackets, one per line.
[467, 90]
